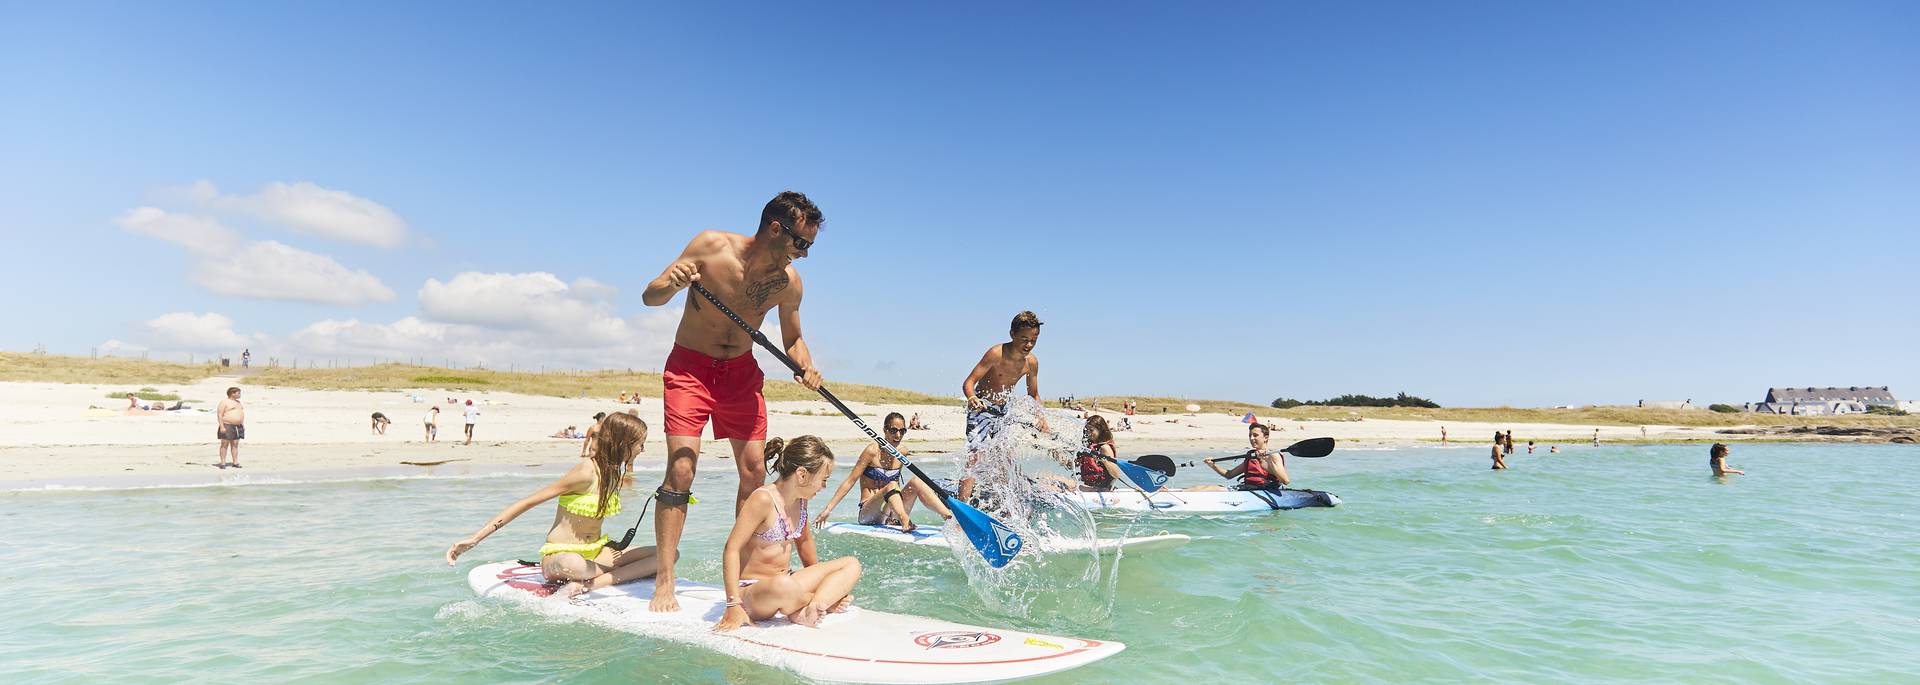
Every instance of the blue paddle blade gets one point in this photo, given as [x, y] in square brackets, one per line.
[996, 542]
[1144, 478]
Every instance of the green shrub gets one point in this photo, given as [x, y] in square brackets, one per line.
[1725, 408]
[1401, 400]
[1885, 410]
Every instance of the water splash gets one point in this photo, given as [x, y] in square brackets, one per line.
[1017, 470]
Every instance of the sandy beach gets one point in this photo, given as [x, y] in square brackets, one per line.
[51, 436]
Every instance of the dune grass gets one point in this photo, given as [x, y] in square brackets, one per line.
[54, 368]
[145, 394]
[602, 384]
[1585, 416]
[120, 371]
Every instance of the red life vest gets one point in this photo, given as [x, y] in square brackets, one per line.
[1092, 473]
[1256, 475]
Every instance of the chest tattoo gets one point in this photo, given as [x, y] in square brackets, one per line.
[759, 291]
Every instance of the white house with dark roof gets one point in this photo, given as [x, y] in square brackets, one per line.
[1812, 401]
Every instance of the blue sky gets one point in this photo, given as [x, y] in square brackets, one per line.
[1481, 203]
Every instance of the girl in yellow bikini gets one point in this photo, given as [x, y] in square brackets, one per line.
[576, 550]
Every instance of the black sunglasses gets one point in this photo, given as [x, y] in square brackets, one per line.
[891, 429]
[799, 243]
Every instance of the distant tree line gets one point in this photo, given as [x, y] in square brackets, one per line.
[1400, 400]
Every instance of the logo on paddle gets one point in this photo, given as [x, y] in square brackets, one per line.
[955, 639]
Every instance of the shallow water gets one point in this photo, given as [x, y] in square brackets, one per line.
[1623, 564]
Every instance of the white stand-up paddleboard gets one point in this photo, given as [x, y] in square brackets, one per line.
[1207, 501]
[928, 535]
[858, 646]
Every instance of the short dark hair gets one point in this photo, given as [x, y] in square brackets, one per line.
[1719, 449]
[1023, 321]
[792, 208]
[599, 416]
[232, 389]
[1264, 431]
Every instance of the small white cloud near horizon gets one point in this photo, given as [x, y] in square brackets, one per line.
[311, 209]
[265, 270]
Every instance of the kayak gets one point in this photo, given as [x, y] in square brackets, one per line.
[928, 535]
[857, 646]
[1207, 501]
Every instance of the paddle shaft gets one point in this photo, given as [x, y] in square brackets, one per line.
[1148, 496]
[761, 339]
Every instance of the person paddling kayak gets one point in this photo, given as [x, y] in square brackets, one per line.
[576, 550]
[1097, 474]
[1261, 470]
[772, 526]
[879, 474]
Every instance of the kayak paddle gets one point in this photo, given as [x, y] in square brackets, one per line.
[1311, 448]
[996, 542]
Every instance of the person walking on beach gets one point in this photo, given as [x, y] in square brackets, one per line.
[1717, 460]
[231, 418]
[1596, 437]
[711, 373]
[987, 385]
[433, 423]
[1443, 435]
[473, 417]
[246, 357]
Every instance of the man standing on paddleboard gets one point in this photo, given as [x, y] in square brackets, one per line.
[711, 373]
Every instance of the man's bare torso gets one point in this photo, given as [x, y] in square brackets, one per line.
[723, 270]
[1005, 368]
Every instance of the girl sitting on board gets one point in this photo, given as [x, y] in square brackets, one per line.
[1096, 474]
[771, 526]
[576, 550]
[1263, 470]
[881, 503]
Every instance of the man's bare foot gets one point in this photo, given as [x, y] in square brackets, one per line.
[907, 528]
[808, 616]
[842, 606]
[664, 600]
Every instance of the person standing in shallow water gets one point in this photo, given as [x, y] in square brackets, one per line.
[1717, 460]
[993, 377]
[711, 374]
[1499, 460]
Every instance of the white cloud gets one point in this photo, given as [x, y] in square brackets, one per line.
[269, 270]
[189, 332]
[531, 301]
[641, 342]
[117, 347]
[310, 209]
[199, 235]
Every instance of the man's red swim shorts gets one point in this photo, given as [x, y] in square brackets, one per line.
[699, 387]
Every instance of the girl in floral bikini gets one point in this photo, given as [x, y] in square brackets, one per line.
[576, 550]
[771, 526]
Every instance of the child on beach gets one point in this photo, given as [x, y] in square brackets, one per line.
[1717, 460]
[880, 476]
[380, 422]
[987, 385]
[433, 423]
[771, 527]
[576, 549]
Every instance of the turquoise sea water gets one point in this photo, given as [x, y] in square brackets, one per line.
[1624, 564]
